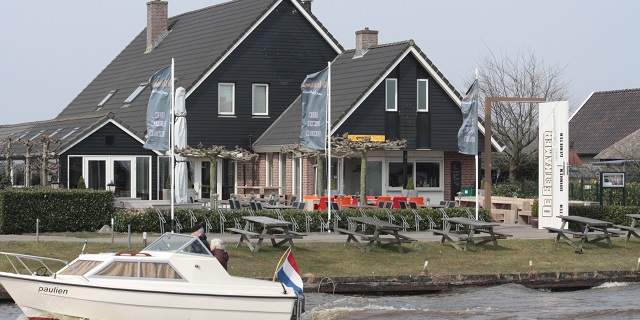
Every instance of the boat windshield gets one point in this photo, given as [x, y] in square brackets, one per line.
[173, 242]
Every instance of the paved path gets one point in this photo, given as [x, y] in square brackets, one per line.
[518, 232]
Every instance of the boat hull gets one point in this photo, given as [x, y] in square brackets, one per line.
[48, 298]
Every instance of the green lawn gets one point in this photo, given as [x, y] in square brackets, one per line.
[322, 259]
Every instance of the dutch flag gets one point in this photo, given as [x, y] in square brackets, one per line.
[289, 274]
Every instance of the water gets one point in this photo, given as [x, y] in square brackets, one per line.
[608, 301]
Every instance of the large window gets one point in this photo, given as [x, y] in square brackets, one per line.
[427, 174]
[423, 95]
[396, 174]
[391, 95]
[260, 102]
[226, 98]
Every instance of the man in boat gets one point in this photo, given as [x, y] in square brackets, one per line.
[198, 231]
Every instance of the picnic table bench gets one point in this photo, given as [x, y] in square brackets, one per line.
[588, 230]
[382, 232]
[631, 230]
[473, 232]
[273, 229]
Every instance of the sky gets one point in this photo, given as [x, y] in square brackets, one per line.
[51, 50]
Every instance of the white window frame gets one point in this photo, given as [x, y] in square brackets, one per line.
[394, 83]
[282, 174]
[424, 108]
[296, 176]
[269, 170]
[266, 97]
[413, 174]
[233, 98]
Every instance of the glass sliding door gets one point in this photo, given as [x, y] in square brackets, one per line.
[96, 177]
[122, 178]
[143, 178]
[374, 178]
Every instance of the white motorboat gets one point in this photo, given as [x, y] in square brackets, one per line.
[166, 280]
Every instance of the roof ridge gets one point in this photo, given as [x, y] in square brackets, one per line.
[55, 120]
[618, 91]
[409, 42]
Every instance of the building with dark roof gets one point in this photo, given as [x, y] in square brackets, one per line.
[241, 64]
[605, 126]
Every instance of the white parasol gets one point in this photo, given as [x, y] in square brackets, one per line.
[181, 172]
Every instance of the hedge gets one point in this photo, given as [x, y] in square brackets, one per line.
[58, 210]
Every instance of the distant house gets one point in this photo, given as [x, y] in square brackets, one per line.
[605, 126]
[242, 64]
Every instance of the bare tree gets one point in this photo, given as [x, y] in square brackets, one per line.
[213, 153]
[50, 146]
[524, 75]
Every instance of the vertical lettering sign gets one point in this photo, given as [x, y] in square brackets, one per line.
[553, 159]
[468, 133]
[159, 111]
[314, 106]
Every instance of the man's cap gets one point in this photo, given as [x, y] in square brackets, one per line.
[196, 228]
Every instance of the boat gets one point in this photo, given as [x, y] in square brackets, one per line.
[166, 280]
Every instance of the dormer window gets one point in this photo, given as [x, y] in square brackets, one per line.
[105, 99]
[134, 94]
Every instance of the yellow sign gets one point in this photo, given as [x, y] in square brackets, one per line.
[359, 137]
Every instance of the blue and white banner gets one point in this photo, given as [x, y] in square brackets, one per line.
[159, 111]
[468, 133]
[314, 106]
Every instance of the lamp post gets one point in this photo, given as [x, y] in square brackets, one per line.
[111, 186]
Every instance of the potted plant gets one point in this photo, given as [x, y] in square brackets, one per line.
[534, 214]
[166, 192]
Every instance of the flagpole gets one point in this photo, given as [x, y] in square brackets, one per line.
[172, 140]
[275, 273]
[329, 146]
[477, 165]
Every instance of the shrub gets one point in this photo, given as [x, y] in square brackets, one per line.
[58, 210]
[81, 184]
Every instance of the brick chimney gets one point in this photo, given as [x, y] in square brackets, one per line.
[366, 39]
[157, 21]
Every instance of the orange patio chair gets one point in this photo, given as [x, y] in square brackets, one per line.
[382, 199]
[417, 200]
[346, 202]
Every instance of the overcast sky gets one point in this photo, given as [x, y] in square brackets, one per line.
[51, 50]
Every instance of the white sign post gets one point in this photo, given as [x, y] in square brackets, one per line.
[553, 176]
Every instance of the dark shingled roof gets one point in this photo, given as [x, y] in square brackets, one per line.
[604, 119]
[351, 80]
[67, 130]
[197, 40]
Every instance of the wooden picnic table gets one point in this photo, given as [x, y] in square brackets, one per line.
[273, 229]
[382, 232]
[631, 230]
[472, 232]
[589, 230]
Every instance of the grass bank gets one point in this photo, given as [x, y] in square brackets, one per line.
[340, 260]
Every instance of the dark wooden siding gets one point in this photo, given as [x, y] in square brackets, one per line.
[435, 130]
[96, 145]
[280, 52]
